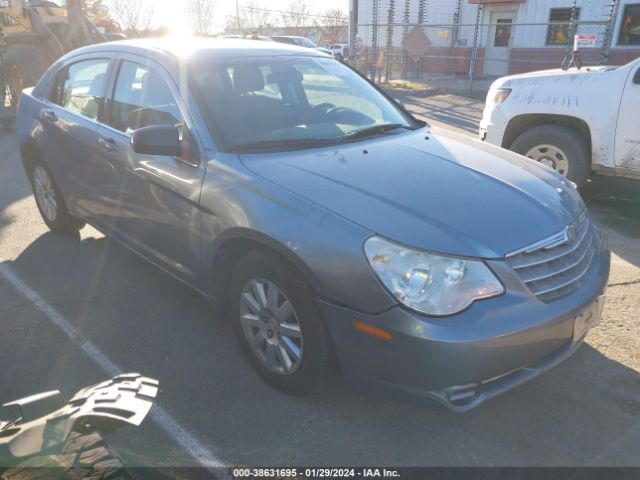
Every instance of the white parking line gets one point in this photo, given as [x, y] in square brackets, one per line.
[165, 421]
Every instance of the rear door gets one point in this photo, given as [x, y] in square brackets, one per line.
[69, 128]
[627, 149]
[153, 199]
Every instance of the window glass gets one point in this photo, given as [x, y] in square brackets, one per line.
[503, 32]
[7, 20]
[559, 34]
[321, 84]
[287, 99]
[142, 98]
[305, 42]
[81, 87]
[630, 29]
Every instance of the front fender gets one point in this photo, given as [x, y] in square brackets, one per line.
[326, 248]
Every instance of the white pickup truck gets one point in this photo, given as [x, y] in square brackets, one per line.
[575, 121]
[340, 50]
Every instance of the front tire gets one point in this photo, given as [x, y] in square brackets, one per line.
[26, 63]
[278, 325]
[559, 147]
[50, 202]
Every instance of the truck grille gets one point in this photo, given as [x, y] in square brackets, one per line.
[555, 266]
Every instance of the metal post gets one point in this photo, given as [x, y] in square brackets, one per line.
[389, 50]
[405, 32]
[353, 31]
[456, 22]
[608, 33]
[374, 41]
[422, 7]
[573, 28]
[474, 52]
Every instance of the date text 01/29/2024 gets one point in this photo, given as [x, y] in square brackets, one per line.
[315, 473]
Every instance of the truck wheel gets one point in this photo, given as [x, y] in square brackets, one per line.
[26, 63]
[278, 325]
[559, 147]
[50, 202]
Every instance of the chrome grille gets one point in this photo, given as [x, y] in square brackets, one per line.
[555, 266]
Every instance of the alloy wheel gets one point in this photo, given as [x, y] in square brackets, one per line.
[45, 194]
[271, 326]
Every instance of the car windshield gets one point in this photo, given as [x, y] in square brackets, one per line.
[285, 103]
[305, 42]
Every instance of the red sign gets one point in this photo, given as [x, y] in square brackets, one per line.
[585, 40]
[485, 2]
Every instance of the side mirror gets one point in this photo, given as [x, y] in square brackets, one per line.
[157, 140]
[636, 79]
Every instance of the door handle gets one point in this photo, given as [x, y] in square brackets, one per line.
[108, 144]
[48, 116]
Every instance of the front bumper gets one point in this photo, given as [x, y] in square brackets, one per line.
[493, 126]
[463, 360]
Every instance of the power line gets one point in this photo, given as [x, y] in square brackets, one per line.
[286, 12]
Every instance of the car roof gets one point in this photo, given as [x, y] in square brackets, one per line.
[180, 48]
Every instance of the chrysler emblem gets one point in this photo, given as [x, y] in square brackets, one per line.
[569, 234]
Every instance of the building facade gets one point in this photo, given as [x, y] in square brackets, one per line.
[497, 37]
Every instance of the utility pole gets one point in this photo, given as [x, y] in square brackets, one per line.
[237, 16]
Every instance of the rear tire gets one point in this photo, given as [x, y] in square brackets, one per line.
[559, 147]
[50, 201]
[316, 359]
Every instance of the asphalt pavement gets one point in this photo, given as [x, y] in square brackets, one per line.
[121, 312]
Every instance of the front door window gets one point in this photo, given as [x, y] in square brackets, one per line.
[141, 99]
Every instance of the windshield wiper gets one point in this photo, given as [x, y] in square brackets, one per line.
[377, 130]
[282, 143]
[293, 143]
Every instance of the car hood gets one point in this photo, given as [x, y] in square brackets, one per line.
[537, 77]
[439, 192]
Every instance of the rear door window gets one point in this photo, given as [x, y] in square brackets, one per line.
[81, 87]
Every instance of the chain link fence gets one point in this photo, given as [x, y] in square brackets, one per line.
[450, 46]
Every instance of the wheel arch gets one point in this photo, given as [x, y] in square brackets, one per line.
[236, 242]
[30, 154]
[521, 123]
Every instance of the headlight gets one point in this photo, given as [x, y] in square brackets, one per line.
[498, 95]
[431, 284]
